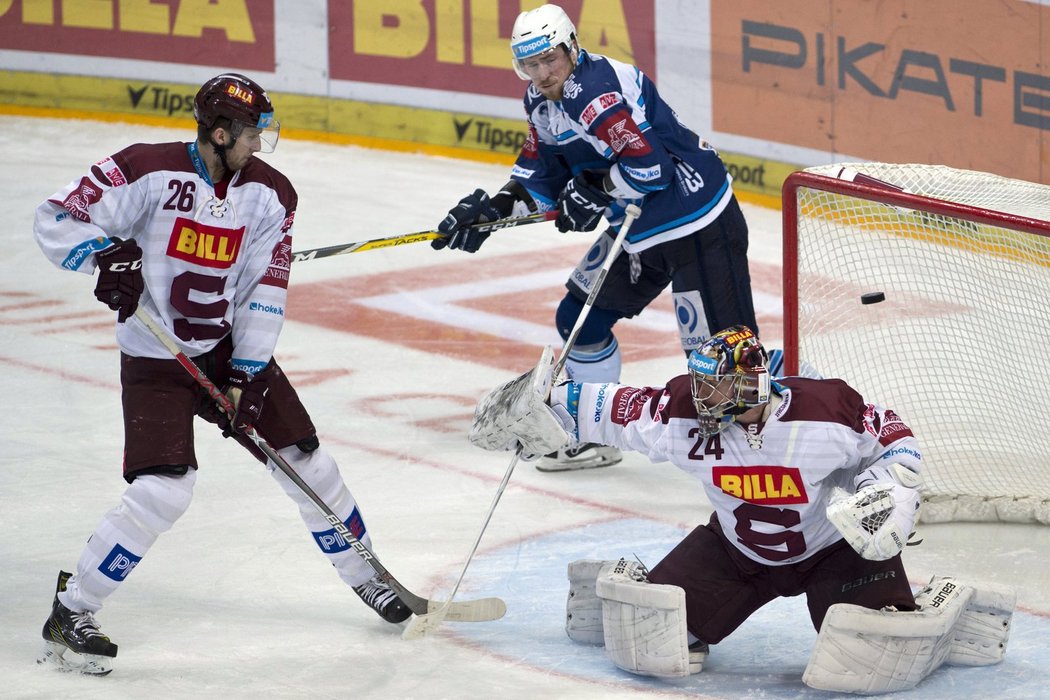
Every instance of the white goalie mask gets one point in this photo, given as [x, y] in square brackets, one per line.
[729, 376]
[541, 30]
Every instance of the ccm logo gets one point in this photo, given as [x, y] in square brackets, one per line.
[124, 266]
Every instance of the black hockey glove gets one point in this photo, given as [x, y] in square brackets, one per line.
[582, 203]
[247, 395]
[473, 209]
[119, 284]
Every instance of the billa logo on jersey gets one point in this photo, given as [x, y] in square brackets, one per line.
[210, 246]
[767, 486]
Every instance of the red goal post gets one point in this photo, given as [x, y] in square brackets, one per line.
[960, 345]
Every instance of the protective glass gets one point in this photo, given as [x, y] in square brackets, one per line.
[261, 138]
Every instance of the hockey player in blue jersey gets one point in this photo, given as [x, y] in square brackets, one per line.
[600, 138]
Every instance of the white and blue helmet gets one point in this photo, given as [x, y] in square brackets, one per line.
[730, 375]
[541, 30]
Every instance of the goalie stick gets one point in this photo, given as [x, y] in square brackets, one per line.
[421, 625]
[417, 237]
[480, 610]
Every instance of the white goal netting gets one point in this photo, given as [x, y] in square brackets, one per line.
[960, 347]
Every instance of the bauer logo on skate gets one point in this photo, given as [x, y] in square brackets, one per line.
[118, 563]
[210, 246]
[762, 485]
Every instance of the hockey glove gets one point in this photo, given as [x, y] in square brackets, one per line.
[473, 209]
[247, 394]
[119, 284]
[515, 414]
[582, 203]
[879, 518]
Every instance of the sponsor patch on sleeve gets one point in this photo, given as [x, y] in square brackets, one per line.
[288, 222]
[111, 173]
[598, 106]
[280, 269]
[78, 201]
[623, 135]
[892, 428]
[530, 149]
[627, 405]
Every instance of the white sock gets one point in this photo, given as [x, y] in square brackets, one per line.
[150, 506]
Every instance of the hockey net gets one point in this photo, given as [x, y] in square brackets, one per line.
[959, 347]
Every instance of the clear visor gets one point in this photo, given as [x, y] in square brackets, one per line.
[538, 63]
[258, 139]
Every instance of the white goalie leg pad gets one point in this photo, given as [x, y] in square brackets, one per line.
[980, 635]
[517, 413]
[880, 651]
[644, 624]
[583, 608]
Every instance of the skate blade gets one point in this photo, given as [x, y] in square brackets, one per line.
[87, 664]
[595, 463]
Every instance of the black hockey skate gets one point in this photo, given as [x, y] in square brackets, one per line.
[77, 632]
[381, 598]
[589, 455]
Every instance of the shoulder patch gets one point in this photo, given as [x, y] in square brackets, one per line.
[280, 268]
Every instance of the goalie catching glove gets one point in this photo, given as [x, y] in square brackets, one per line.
[878, 519]
[516, 413]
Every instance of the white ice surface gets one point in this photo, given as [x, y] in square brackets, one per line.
[235, 602]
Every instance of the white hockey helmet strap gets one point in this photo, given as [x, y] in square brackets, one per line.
[728, 375]
[541, 30]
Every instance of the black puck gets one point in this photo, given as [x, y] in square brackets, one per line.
[872, 298]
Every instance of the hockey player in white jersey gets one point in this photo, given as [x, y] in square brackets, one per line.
[815, 491]
[199, 235]
[602, 137]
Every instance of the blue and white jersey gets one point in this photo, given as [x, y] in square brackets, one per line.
[612, 118]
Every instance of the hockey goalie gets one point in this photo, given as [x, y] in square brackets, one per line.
[815, 492]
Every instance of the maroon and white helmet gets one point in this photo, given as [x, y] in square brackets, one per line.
[242, 102]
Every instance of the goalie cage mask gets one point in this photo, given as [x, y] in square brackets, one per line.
[728, 375]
